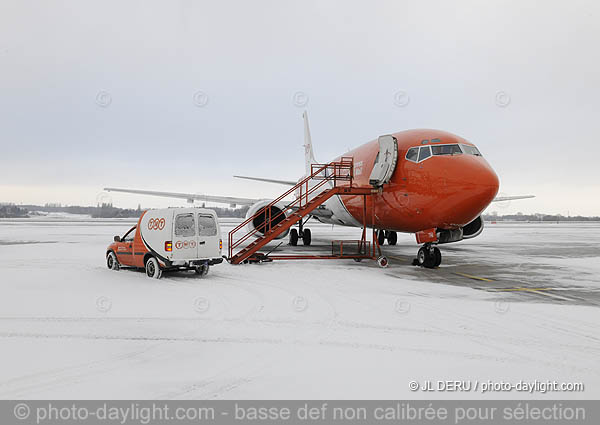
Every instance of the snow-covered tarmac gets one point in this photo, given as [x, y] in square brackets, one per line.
[519, 303]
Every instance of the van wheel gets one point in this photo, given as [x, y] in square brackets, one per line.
[153, 269]
[202, 270]
[111, 261]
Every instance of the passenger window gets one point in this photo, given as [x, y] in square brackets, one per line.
[412, 154]
[446, 150]
[184, 225]
[206, 225]
[424, 153]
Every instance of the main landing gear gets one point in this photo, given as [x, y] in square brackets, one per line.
[429, 256]
[301, 233]
[391, 236]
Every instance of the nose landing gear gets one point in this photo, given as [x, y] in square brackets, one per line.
[390, 235]
[429, 256]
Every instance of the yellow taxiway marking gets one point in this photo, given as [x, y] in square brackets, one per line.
[539, 291]
[523, 289]
[474, 277]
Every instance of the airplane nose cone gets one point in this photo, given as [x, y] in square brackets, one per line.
[484, 183]
[472, 185]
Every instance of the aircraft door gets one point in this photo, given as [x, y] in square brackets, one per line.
[385, 162]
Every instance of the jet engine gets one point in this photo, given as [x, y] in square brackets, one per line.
[261, 214]
[473, 229]
[468, 231]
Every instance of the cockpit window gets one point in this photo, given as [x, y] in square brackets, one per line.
[412, 154]
[424, 153]
[418, 154]
[471, 150]
[446, 150]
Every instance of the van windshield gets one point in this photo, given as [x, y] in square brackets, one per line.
[129, 236]
[206, 225]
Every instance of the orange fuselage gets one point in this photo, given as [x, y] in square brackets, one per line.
[444, 192]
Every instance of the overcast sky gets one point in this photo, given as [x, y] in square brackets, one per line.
[181, 95]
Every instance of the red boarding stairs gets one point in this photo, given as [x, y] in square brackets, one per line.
[331, 179]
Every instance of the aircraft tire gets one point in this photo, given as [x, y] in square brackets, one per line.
[425, 258]
[381, 237]
[306, 237]
[293, 237]
[438, 257]
[392, 238]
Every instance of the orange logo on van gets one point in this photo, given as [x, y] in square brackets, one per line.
[156, 224]
[185, 244]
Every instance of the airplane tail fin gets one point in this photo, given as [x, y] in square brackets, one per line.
[309, 156]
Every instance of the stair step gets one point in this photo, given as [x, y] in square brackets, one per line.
[302, 210]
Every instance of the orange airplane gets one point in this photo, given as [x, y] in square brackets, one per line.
[432, 183]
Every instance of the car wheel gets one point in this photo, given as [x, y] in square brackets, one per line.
[111, 261]
[153, 269]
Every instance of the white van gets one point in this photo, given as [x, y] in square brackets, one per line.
[169, 239]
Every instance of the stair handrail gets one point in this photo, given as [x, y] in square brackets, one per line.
[345, 163]
[267, 209]
[269, 218]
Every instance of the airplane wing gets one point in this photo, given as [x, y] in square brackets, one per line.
[190, 197]
[511, 198]
[260, 179]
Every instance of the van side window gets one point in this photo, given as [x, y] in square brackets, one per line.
[184, 225]
[424, 153]
[206, 225]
